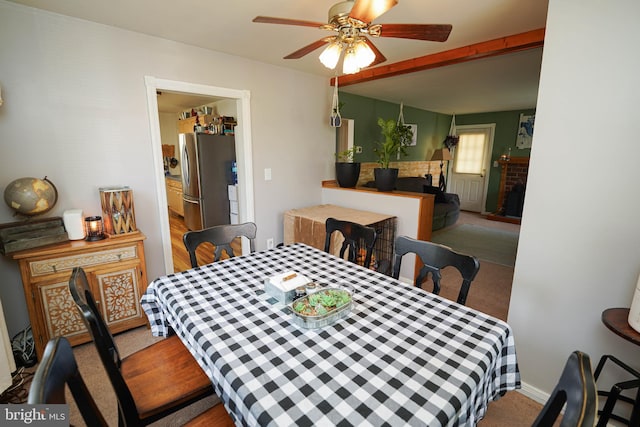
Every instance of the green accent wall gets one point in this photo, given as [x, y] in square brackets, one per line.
[432, 127]
[506, 130]
[432, 130]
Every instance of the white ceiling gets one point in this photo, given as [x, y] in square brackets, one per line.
[501, 83]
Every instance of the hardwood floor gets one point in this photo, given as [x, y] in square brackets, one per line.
[204, 253]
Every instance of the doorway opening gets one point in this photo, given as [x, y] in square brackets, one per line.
[243, 151]
[471, 161]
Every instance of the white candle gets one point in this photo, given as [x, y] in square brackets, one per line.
[634, 312]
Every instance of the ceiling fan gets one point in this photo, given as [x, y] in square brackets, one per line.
[352, 22]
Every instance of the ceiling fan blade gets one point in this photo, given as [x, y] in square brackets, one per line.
[308, 49]
[368, 10]
[380, 58]
[429, 32]
[285, 21]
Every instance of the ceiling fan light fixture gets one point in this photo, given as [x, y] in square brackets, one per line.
[350, 63]
[364, 55]
[330, 56]
[352, 21]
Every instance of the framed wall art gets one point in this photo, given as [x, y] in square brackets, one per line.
[525, 130]
[414, 130]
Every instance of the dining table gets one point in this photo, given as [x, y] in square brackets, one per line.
[402, 355]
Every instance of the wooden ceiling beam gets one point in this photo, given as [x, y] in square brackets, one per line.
[514, 43]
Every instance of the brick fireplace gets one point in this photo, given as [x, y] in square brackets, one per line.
[513, 177]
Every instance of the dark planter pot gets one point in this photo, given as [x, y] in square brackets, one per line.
[347, 174]
[385, 178]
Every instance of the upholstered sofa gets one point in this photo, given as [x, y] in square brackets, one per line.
[446, 207]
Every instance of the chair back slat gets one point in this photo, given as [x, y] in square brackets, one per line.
[577, 389]
[104, 342]
[58, 368]
[221, 237]
[356, 237]
[435, 257]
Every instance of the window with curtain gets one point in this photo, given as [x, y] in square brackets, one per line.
[469, 153]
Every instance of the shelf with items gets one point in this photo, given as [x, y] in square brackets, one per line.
[187, 125]
[217, 125]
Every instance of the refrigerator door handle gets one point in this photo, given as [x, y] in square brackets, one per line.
[195, 202]
[185, 165]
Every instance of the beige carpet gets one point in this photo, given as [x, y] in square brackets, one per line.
[472, 239]
[490, 293]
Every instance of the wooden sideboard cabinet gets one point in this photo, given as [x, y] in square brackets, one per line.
[116, 271]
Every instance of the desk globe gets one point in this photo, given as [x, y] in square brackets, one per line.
[31, 196]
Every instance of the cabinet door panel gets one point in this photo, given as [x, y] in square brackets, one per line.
[119, 293]
[61, 315]
[174, 197]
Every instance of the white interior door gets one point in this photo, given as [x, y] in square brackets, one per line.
[471, 161]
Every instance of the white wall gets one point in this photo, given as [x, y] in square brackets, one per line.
[75, 110]
[580, 236]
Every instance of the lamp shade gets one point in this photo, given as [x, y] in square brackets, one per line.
[331, 55]
[350, 62]
[441, 154]
[364, 54]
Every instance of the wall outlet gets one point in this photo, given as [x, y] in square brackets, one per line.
[269, 243]
[358, 149]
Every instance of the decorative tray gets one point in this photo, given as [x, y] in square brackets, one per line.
[321, 308]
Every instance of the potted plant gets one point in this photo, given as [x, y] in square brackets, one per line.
[396, 138]
[347, 171]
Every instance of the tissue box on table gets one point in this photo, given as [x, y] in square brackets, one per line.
[283, 286]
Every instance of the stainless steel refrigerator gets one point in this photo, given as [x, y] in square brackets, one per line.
[206, 171]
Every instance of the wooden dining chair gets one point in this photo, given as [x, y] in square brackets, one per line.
[356, 237]
[57, 369]
[212, 417]
[151, 383]
[220, 236]
[577, 389]
[435, 257]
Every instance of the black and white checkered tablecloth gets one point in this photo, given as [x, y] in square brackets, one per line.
[402, 357]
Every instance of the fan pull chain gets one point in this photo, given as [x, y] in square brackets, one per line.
[335, 120]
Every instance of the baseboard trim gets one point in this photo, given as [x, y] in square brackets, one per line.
[534, 393]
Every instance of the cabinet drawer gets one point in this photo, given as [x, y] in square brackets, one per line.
[67, 263]
[174, 184]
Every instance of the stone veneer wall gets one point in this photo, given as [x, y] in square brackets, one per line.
[406, 169]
